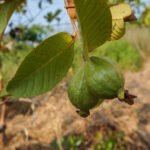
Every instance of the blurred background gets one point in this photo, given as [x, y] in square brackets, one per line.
[49, 121]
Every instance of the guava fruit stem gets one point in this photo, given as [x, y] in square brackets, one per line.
[121, 94]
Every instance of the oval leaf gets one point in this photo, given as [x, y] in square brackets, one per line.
[44, 67]
[95, 22]
[6, 10]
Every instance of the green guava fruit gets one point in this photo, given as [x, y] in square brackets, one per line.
[104, 79]
[80, 95]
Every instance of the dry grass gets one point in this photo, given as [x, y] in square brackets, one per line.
[140, 38]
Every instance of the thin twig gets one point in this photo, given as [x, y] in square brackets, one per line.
[73, 20]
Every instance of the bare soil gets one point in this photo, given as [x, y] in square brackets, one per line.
[52, 116]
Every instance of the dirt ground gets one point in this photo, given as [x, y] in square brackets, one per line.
[52, 116]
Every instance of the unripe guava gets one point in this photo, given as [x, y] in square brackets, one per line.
[104, 79]
[80, 95]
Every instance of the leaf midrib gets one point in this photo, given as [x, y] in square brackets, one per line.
[47, 62]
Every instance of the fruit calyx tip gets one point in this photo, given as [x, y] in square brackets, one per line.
[128, 98]
[83, 114]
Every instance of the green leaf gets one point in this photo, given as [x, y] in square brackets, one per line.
[44, 67]
[95, 22]
[6, 10]
[3, 93]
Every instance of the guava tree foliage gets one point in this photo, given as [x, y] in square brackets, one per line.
[137, 2]
[146, 17]
[50, 16]
[49, 62]
[24, 29]
[141, 7]
[34, 33]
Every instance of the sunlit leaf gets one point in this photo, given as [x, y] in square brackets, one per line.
[44, 67]
[121, 11]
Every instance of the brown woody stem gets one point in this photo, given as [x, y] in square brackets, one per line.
[69, 5]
